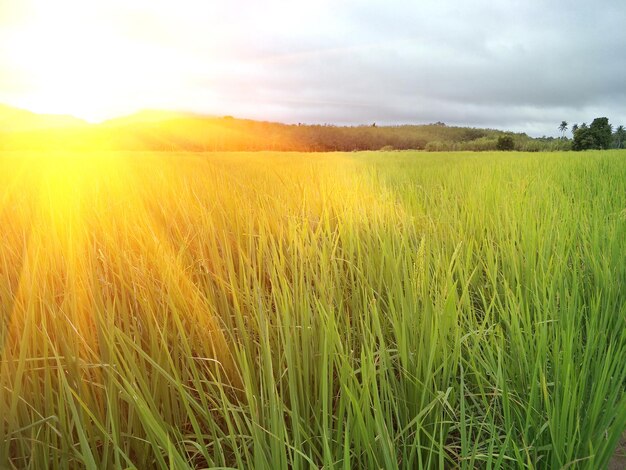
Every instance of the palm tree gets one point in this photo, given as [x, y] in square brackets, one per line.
[563, 128]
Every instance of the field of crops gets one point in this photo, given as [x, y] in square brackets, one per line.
[297, 311]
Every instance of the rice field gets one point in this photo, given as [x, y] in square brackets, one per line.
[374, 310]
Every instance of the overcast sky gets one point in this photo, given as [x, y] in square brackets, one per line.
[518, 65]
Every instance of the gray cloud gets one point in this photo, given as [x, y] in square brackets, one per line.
[519, 65]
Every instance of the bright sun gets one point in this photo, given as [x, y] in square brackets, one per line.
[73, 60]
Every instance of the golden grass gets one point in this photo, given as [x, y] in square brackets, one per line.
[395, 310]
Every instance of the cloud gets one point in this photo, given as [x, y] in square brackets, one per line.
[520, 65]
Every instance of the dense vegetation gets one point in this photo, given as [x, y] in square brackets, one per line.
[161, 131]
[374, 310]
[597, 136]
[167, 131]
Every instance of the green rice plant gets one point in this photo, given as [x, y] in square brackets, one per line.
[285, 310]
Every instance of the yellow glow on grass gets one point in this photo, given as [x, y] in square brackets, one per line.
[144, 243]
[90, 234]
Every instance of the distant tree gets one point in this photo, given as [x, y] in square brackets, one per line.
[583, 139]
[596, 136]
[505, 142]
[602, 132]
[574, 129]
[563, 128]
[620, 137]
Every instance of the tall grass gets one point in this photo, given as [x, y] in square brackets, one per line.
[378, 310]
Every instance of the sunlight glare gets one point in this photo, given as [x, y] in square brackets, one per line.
[73, 60]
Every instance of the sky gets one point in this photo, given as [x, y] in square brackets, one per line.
[518, 65]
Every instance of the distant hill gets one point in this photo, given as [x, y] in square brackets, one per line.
[18, 120]
[168, 131]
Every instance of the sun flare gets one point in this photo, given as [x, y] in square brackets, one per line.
[70, 58]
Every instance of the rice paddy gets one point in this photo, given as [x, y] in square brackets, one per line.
[297, 311]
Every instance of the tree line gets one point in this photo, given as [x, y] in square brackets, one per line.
[599, 135]
[195, 133]
[200, 133]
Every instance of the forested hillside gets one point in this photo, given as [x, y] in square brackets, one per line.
[166, 131]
